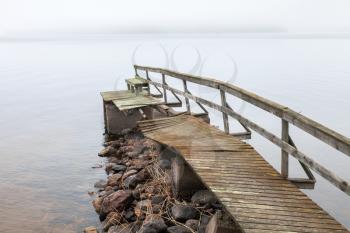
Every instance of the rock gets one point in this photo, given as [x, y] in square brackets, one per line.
[97, 166]
[156, 209]
[108, 167]
[114, 144]
[113, 180]
[168, 154]
[133, 180]
[140, 187]
[182, 213]
[139, 164]
[178, 229]
[90, 230]
[146, 230]
[104, 194]
[96, 203]
[203, 197]
[101, 184]
[143, 175]
[130, 215]
[164, 164]
[108, 151]
[114, 160]
[193, 224]
[118, 168]
[129, 173]
[125, 131]
[116, 201]
[158, 199]
[153, 226]
[143, 205]
[137, 150]
[144, 156]
[113, 218]
[136, 194]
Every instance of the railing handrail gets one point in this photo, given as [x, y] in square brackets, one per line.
[319, 131]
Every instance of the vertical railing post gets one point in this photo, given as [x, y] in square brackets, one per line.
[284, 158]
[136, 71]
[186, 99]
[149, 86]
[224, 115]
[164, 90]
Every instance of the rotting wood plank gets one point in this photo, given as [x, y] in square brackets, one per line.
[251, 190]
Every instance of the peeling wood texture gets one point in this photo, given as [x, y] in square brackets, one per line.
[255, 194]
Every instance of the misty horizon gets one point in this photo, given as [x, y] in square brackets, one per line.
[322, 18]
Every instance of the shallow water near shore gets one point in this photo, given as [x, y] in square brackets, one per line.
[51, 112]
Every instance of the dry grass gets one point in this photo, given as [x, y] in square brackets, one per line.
[159, 185]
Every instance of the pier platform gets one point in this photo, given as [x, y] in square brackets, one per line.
[258, 197]
[251, 190]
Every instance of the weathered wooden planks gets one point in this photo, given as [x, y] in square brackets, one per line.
[136, 102]
[136, 81]
[108, 96]
[125, 100]
[251, 190]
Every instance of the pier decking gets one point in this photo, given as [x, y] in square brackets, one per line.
[256, 195]
[259, 198]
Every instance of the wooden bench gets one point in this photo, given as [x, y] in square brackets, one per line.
[137, 85]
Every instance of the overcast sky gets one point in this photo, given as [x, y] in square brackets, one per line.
[96, 16]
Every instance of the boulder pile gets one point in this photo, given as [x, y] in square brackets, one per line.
[137, 193]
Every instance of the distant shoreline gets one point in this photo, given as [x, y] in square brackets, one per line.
[246, 35]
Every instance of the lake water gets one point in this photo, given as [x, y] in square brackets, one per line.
[51, 112]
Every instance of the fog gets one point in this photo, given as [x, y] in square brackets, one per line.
[23, 17]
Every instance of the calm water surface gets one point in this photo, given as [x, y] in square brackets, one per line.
[51, 112]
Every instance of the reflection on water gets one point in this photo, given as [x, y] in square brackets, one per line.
[51, 116]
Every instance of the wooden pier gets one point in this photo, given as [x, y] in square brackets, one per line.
[257, 196]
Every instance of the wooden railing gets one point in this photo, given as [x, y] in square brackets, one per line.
[287, 116]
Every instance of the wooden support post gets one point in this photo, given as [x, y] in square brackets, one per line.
[136, 71]
[138, 89]
[224, 115]
[105, 116]
[186, 99]
[164, 90]
[284, 159]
